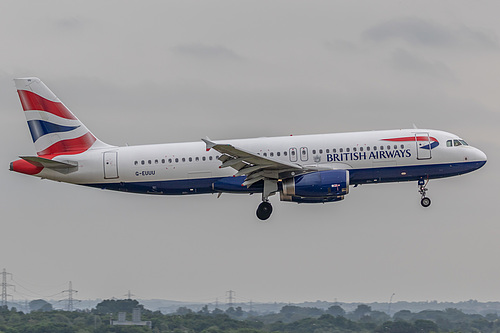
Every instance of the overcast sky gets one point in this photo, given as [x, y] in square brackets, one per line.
[172, 71]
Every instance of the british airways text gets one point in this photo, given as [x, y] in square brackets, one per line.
[374, 155]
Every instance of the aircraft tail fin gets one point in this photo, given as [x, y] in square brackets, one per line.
[54, 128]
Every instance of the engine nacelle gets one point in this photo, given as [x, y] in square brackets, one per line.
[320, 184]
[297, 199]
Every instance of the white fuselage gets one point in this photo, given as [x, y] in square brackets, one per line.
[374, 156]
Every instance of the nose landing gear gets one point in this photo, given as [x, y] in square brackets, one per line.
[422, 189]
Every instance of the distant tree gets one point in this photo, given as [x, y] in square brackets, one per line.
[396, 327]
[361, 311]
[204, 310]
[122, 305]
[304, 311]
[230, 311]
[217, 311]
[239, 312]
[183, 311]
[425, 326]
[40, 305]
[335, 310]
[405, 315]
[377, 317]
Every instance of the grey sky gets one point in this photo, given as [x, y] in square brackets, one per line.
[170, 71]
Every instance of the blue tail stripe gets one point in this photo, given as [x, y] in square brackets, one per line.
[39, 128]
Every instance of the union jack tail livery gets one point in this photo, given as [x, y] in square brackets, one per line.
[54, 129]
[302, 169]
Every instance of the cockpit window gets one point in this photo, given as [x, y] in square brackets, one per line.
[456, 143]
[459, 142]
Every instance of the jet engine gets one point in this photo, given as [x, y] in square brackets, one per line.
[316, 187]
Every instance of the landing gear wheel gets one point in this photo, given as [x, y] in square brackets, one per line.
[264, 210]
[422, 189]
[425, 202]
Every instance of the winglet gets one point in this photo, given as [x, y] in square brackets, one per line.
[210, 144]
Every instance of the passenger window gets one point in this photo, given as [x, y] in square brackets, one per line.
[271, 154]
[360, 148]
[321, 151]
[163, 161]
[354, 149]
[136, 162]
[341, 150]
[381, 147]
[170, 160]
[156, 161]
[314, 151]
[278, 153]
[265, 154]
[347, 150]
[328, 151]
[190, 159]
[334, 150]
[374, 147]
[203, 158]
[368, 148]
[210, 158]
[402, 146]
[197, 159]
[176, 160]
[285, 153]
[149, 161]
[388, 147]
[395, 146]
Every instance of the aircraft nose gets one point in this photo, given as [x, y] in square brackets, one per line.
[480, 156]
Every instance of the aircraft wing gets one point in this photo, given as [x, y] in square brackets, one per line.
[255, 167]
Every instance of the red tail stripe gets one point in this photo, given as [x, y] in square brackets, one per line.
[71, 146]
[412, 138]
[32, 101]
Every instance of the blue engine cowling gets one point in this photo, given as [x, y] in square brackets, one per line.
[324, 186]
[294, 198]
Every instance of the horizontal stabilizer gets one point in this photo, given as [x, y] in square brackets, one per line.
[51, 164]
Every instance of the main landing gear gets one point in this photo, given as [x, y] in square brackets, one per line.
[265, 208]
[422, 189]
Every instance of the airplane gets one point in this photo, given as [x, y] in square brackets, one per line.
[316, 168]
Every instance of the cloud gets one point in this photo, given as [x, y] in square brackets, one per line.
[404, 60]
[420, 32]
[210, 52]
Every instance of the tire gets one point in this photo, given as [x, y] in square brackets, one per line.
[425, 202]
[264, 210]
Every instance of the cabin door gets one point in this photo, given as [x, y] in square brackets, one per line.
[423, 142]
[110, 164]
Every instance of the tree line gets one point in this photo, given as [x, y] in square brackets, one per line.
[291, 319]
